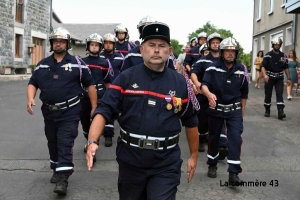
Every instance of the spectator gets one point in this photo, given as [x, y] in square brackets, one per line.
[293, 65]
[257, 63]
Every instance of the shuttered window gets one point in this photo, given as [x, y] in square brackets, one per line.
[19, 11]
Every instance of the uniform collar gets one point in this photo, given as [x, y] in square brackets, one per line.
[154, 74]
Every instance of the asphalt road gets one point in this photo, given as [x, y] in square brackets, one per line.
[270, 154]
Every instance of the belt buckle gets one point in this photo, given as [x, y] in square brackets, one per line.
[148, 144]
[227, 108]
[54, 107]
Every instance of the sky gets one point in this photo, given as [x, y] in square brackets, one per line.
[182, 16]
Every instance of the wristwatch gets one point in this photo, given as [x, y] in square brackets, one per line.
[92, 142]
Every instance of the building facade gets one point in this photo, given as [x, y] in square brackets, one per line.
[25, 26]
[271, 20]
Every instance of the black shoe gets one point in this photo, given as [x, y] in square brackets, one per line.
[281, 114]
[267, 113]
[61, 185]
[55, 177]
[201, 147]
[234, 180]
[212, 171]
[108, 141]
[222, 153]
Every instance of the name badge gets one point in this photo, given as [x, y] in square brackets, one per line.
[151, 102]
[55, 76]
[228, 81]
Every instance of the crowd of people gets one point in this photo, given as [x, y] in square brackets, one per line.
[152, 95]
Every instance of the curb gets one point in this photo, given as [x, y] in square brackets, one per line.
[14, 77]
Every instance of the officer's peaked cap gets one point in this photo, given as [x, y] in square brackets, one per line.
[156, 30]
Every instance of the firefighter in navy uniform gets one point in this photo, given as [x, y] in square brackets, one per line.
[134, 56]
[193, 42]
[116, 62]
[273, 65]
[226, 88]
[148, 153]
[59, 77]
[193, 55]
[197, 74]
[100, 72]
[123, 45]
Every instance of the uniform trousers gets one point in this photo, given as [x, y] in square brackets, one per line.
[203, 126]
[278, 83]
[139, 183]
[61, 136]
[234, 124]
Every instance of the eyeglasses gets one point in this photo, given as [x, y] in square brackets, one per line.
[59, 41]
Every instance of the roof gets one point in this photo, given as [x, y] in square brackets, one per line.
[84, 30]
[72, 34]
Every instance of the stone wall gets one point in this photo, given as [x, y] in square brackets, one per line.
[36, 17]
[6, 32]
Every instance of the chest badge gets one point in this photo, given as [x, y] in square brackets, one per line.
[172, 93]
[134, 85]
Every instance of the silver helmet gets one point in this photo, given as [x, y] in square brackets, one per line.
[229, 43]
[94, 37]
[60, 33]
[276, 40]
[194, 38]
[203, 48]
[122, 29]
[202, 34]
[146, 20]
[213, 36]
[109, 37]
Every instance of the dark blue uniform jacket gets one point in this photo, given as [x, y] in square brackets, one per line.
[199, 68]
[191, 56]
[60, 82]
[99, 70]
[229, 86]
[139, 95]
[116, 61]
[276, 63]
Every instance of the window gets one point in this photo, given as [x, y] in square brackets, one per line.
[271, 4]
[18, 46]
[262, 43]
[19, 11]
[288, 36]
[258, 10]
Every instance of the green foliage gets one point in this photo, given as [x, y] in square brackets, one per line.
[210, 28]
[176, 47]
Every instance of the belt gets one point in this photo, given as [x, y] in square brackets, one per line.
[227, 108]
[274, 74]
[63, 105]
[98, 87]
[148, 142]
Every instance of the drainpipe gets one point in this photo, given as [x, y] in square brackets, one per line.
[253, 68]
[295, 22]
[51, 28]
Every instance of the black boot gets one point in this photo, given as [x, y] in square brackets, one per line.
[55, 177]
[212, 171]
[234, 180]
[267, 113]
[222, 153]
[201, 147]
[281, 114]
[61, 185]
[108, 141]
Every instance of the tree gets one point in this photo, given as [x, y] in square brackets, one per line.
[176, 47]
[210, 28]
